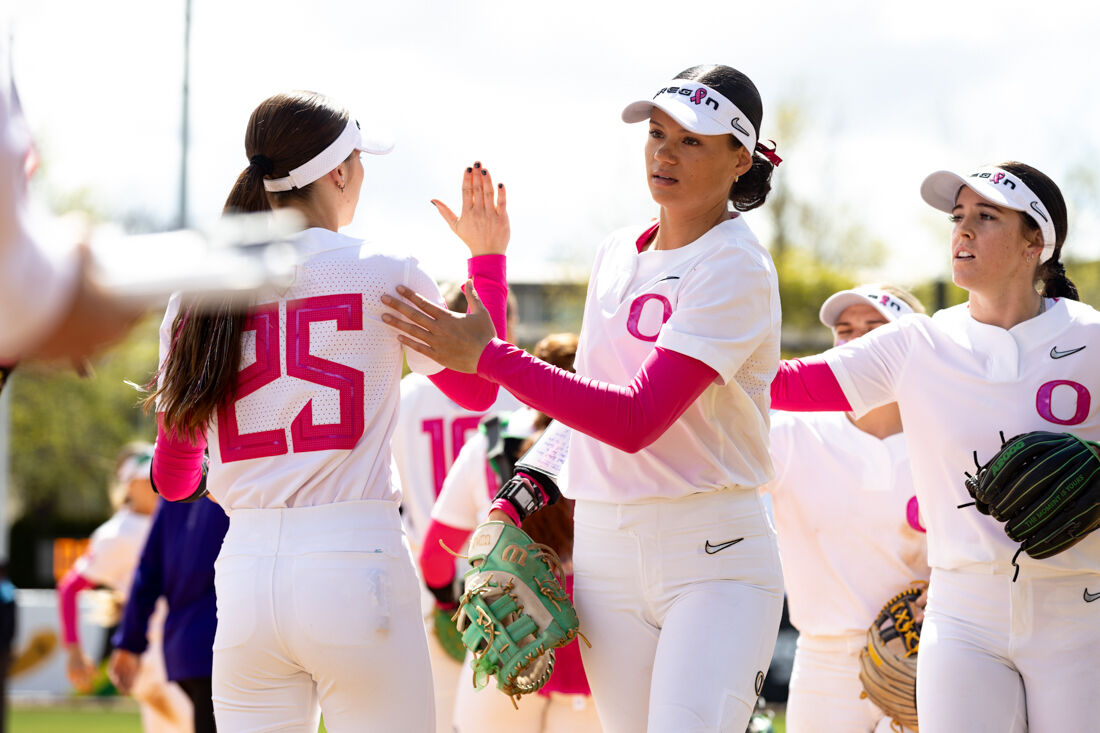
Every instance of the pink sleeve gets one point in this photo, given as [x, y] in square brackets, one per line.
[70, 585]
[470, 390]
[177, 463]
[628, 418]
[437, 564]
[807, 385]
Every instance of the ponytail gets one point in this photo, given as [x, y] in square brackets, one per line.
[1052, 273]
[752, 188]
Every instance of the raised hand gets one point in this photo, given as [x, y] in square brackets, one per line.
[483, 225]
[451, 339]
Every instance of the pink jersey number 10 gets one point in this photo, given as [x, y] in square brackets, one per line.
[347, 311]
[441, 461]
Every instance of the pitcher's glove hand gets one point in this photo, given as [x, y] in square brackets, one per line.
[888, 664]
[1045, 487]
[514, 611]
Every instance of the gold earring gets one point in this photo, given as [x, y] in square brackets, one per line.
[736, 179]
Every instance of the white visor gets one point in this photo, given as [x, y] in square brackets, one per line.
[698, 108]
[350, 139]
[997, 185]
[885, 303]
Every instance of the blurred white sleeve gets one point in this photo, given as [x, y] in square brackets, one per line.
[34, 290]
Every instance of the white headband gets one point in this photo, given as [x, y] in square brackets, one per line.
[698, 108]
[350, 139]
[941, 189]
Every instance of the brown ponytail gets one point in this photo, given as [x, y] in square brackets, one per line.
[200, 370]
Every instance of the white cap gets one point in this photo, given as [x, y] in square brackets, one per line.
[134, 466]
[941, 189]
[698, 108]
[330, 158]
[888, 305]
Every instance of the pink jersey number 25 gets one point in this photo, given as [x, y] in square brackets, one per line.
[347, 312]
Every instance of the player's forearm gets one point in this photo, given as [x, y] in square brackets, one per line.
[177, 470]
[490, 280]
[67, 590]
[436, 564]
[807, 385]
[628, 418]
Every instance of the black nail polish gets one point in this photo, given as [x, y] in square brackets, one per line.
[477, 165]
[483, 171]
[469, 170]
[500, 185]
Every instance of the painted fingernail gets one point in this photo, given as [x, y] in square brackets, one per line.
[483, 171]
[477, 164]
[469, 170]
[500, 185]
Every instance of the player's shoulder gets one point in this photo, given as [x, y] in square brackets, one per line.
[324, 244]
[733, 247]
[1080, 313]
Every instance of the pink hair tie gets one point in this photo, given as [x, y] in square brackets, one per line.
[769, 153]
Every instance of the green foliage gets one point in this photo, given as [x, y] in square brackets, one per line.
[66, 430]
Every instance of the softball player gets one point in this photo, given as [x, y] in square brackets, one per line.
[677, 575]
[110, 561]
[564, 703]
[995, 654]
[297, 399]
[848, 526]
[431, 430]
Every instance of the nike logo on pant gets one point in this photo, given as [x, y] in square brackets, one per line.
[1090, 597]
[712, 549]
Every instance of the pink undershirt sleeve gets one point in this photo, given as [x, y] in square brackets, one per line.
[807, 385]
[67, 589]
[177, 463]
[470, 390]
[628, 418]
[436, 563]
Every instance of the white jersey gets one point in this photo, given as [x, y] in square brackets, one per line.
[958, 382]
[715, 300]
[318, 390]
[431, 431]
[114, 550]
[841, 501]
[34, 289]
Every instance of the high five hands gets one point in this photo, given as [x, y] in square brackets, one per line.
[451, 339]
[483, 225]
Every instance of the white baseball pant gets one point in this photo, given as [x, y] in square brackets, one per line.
[319, 605]
[681, 600]
[998, 655]
[824, 693]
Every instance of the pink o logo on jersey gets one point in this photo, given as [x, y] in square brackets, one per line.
[635, 316]
[1045, 395]
[912, 514]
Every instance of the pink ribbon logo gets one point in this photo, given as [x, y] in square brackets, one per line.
[698, 96]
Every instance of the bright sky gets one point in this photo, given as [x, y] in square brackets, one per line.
[891, 92]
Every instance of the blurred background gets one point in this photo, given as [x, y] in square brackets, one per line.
[139, 109]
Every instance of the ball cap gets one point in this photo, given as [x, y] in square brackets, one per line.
[698, 108]
[996, 185]
[888, 305]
